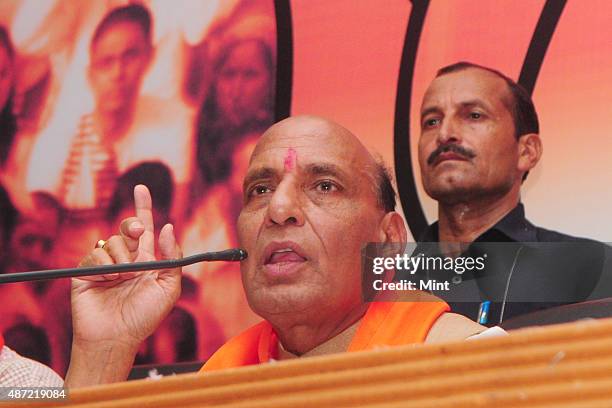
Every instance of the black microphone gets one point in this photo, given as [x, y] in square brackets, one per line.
[230, 255]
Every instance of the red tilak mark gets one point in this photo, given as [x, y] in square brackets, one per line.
[290, 159]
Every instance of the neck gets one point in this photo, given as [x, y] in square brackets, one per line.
[114, 124]
[301, 337]
[463, 222]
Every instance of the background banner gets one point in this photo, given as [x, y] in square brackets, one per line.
[97, 96]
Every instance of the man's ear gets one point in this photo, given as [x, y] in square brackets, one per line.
[530, 151]
[392, 229]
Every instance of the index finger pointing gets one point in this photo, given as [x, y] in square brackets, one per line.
[144, 212]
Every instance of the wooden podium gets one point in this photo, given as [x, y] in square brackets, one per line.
[568, 365]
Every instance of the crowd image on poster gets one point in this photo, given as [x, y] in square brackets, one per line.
[99, 96]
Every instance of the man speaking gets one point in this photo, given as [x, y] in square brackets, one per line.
[313, 196]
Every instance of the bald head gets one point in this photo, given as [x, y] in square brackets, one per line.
[298, 128]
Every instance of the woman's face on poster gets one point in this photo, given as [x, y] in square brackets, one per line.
[243, 84]
[119, 58]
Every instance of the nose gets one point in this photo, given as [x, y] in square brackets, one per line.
[113, 69]
[117, 70]
[124, 67]
[237, 88]
[36, 250]
[448, 132]
[285, 205]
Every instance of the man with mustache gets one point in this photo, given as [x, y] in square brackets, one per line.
[313, 196]
[479, 140]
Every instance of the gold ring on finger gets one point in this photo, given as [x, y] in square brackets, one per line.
[100, 244]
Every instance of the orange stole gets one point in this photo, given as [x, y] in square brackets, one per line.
[384, 324]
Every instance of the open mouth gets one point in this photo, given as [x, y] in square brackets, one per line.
[285, 255]
[283, 258]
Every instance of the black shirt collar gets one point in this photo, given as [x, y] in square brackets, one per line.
[512, 227]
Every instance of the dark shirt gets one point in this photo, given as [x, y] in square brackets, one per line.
[522, 278]
[514, 227]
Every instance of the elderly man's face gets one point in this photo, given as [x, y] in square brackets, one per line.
[309, 207]
[467, 146]
[119, 58]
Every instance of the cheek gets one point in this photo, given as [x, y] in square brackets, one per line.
[345, 263]
[260, 84]
[242, 229]
[254, 94]
[494, 164]
[425, 148]
[249, 222]
[97, 81]
[223, 90]
[500, 152]
[246, 240]
[346, 237]
[135, 71]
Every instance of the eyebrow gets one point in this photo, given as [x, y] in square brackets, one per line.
[314, 169]
[258, 174]
[433, 109]
[475, 102]
[325, 169]
[466, 104]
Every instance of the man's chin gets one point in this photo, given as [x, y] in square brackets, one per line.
[115, 103]
[282, 299]
[450, 192]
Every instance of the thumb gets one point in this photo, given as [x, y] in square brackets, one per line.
[168, 247]
[170, 279]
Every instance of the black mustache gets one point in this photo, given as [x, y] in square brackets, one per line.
[455, 148]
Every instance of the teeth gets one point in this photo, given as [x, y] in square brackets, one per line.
[283, 250]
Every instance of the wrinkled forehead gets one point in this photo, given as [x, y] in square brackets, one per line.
[294, 144]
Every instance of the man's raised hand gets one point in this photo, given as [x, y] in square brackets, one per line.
[113, 314]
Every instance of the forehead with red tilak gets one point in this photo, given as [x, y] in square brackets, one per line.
[290, 160]
[313, 139]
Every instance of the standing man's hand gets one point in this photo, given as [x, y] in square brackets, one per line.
[113, 314]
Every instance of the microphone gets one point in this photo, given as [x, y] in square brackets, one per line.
[230, 255]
